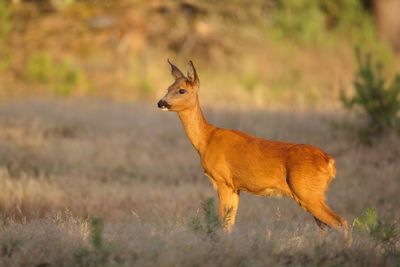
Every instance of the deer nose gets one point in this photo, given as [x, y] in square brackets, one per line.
[163, 104]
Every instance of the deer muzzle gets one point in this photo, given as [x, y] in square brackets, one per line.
[162, 104]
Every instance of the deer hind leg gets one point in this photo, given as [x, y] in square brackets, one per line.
[339, 221]
[310, 194]
[330, 218]
[323, 215]
[320, 224]
[228, 205]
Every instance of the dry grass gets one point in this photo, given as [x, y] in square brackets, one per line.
[63, 162]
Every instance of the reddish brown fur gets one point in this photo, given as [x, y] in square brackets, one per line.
[235, 161]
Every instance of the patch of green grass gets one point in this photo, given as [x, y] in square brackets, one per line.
[62, 77]
[39, 68]
[368, 222]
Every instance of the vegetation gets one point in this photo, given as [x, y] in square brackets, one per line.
[5, 31]
[322, 21]
[5, 20]
[211, 226]
[379, 100]
[282, 44]
[63, 77]
[370, 223]
[98, 254]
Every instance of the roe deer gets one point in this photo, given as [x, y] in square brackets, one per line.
[235, 161]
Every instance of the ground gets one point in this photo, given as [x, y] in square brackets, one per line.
[65, 162]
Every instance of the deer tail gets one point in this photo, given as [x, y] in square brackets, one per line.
[332, 167]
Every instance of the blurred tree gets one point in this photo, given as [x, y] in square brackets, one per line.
[378, 99]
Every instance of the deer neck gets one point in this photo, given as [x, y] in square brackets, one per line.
[197, 129]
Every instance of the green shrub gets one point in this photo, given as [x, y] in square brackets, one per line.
[99, 252]
[368, 222]
[63, 77]
[379, 101]
[210, 225]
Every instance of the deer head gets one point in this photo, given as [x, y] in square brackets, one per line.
[182, 94]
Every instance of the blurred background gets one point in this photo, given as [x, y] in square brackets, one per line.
[93, 174]
[251, 53]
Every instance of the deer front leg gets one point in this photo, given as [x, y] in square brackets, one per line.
[228, 205]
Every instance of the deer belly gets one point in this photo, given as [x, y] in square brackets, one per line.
[263, 183]
[269, 192]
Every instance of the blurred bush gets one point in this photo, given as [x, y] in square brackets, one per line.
[299, 20]
[322, 21]
[378, 99]
[5, 20]
[62, 76]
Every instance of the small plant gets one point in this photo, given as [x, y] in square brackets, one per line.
[366, 221]
[369, 222]
[210, 225]
[379, 101]
[97, 231]
[99, 253]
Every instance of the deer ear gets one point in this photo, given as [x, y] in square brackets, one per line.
[175, 71]
[192, 75]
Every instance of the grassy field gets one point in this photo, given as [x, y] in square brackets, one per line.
[65, 162]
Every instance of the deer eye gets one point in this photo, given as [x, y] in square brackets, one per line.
[181, 91]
